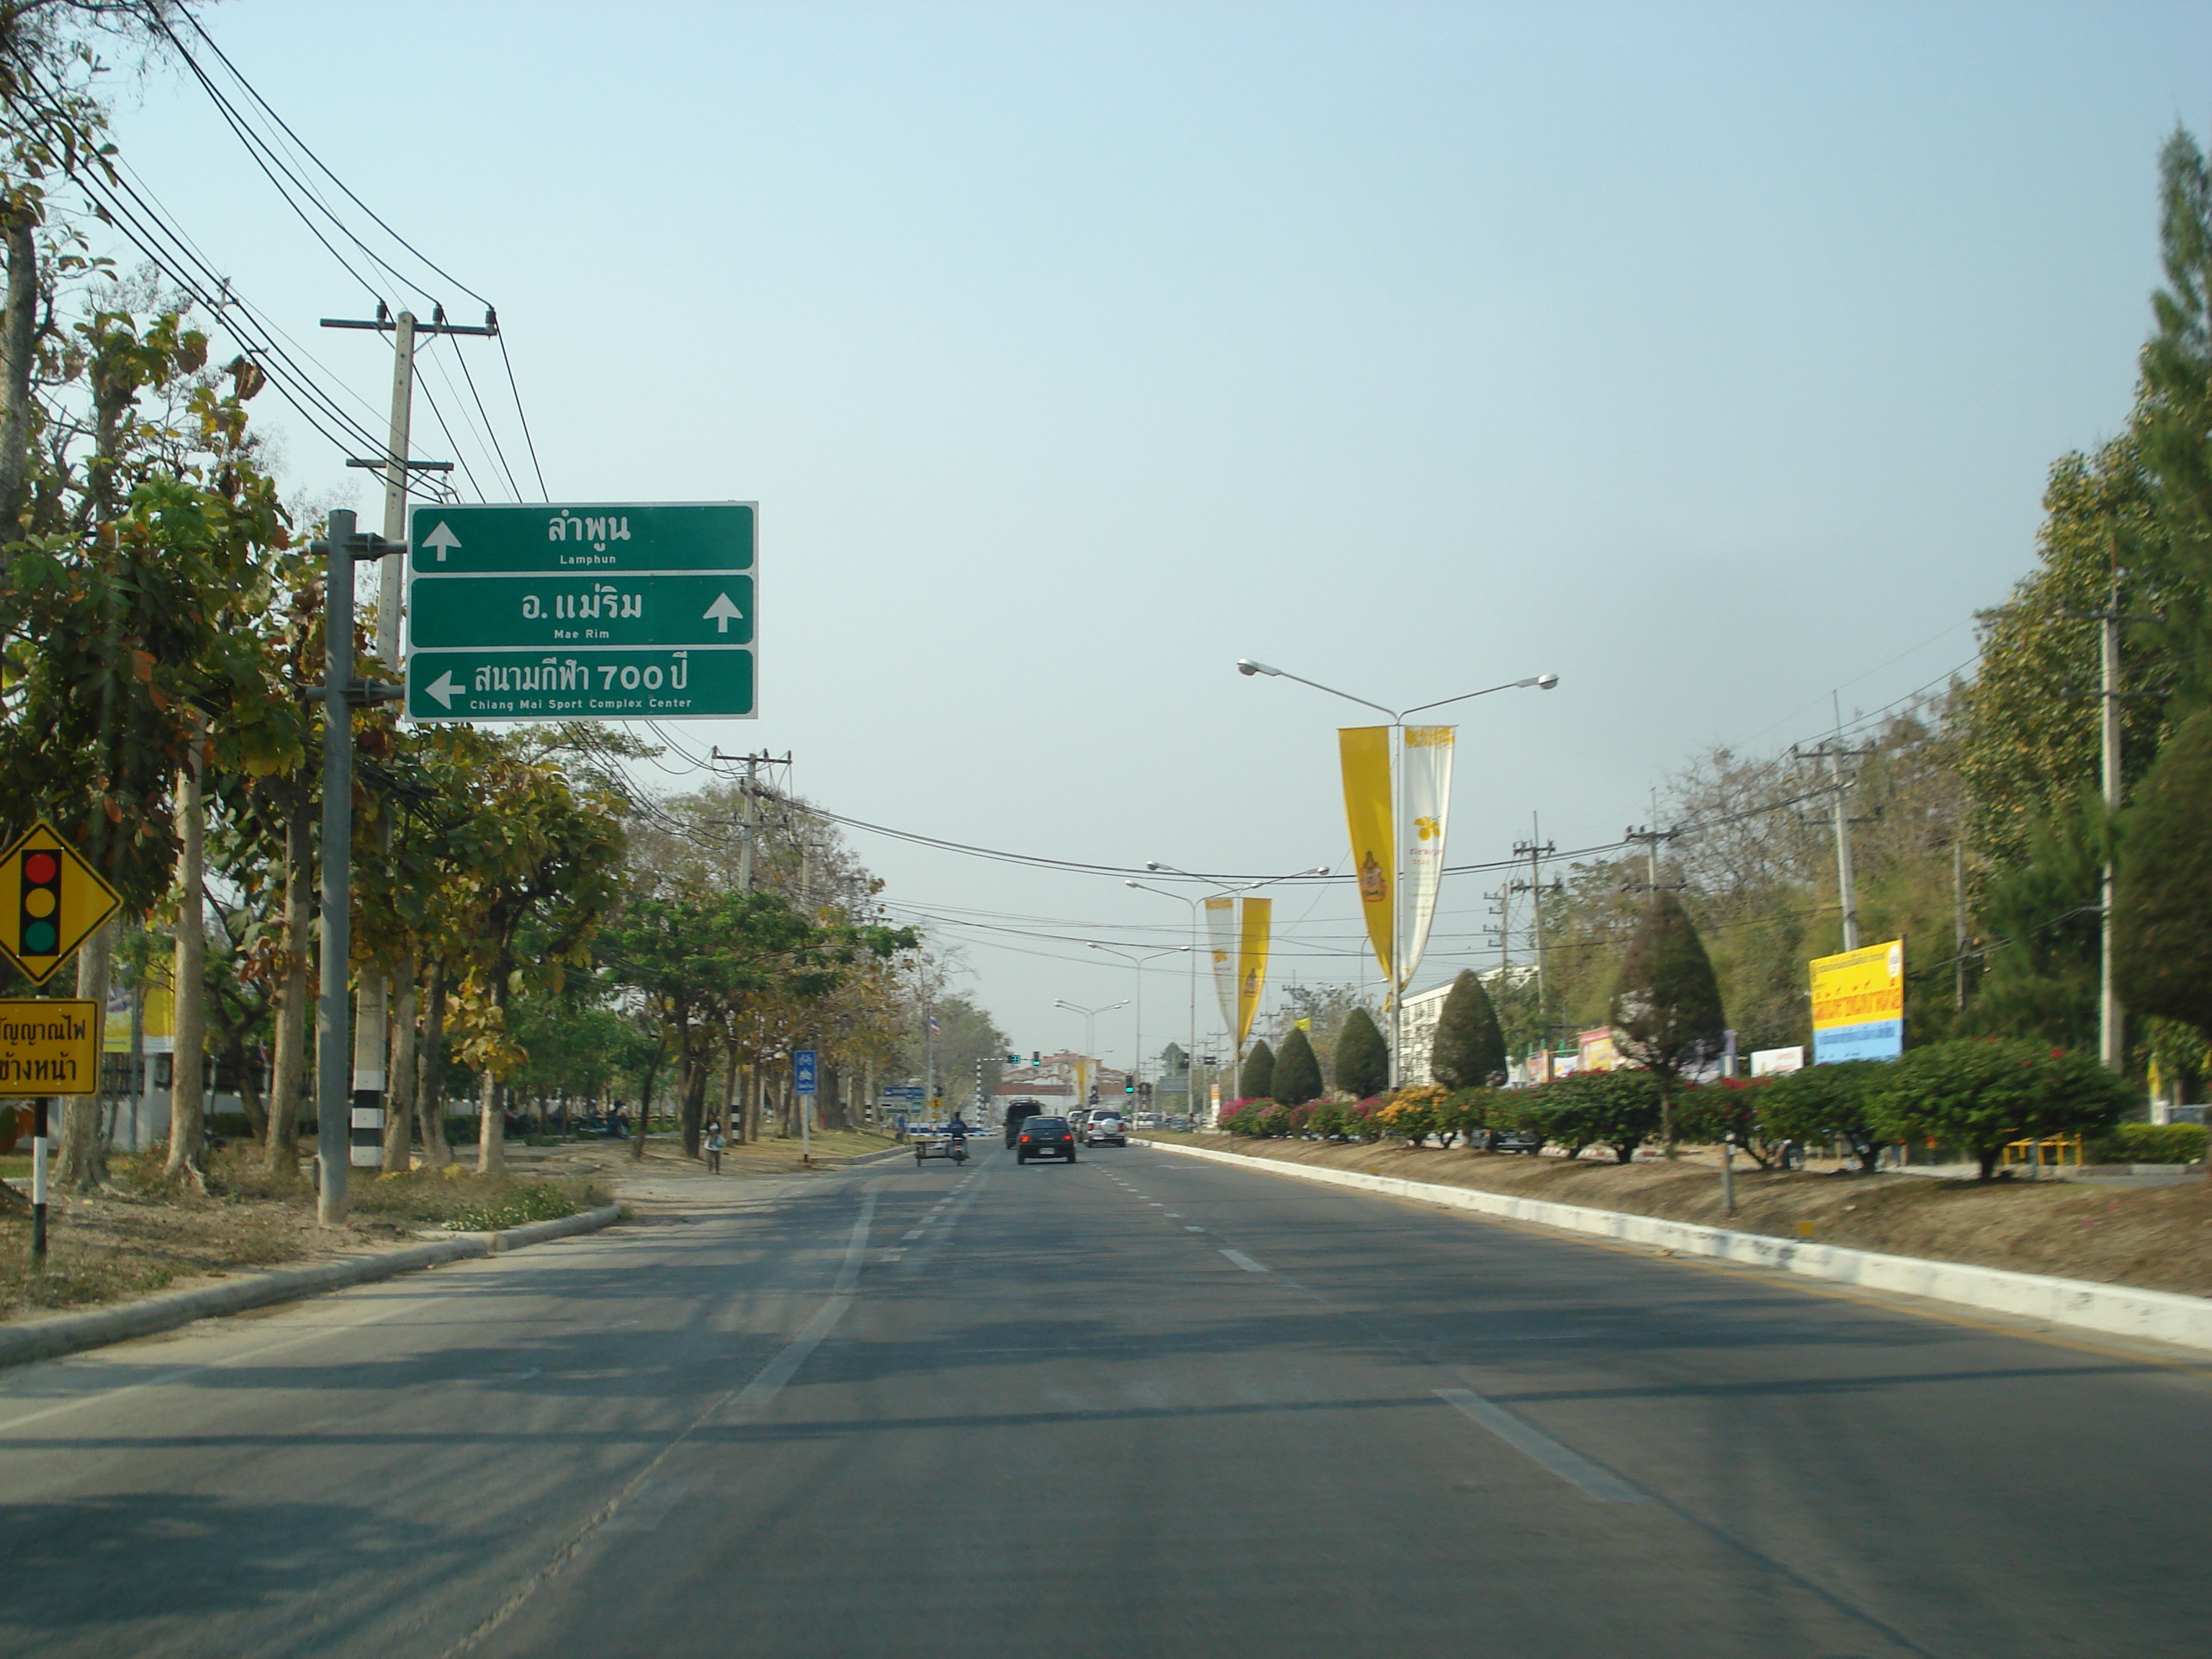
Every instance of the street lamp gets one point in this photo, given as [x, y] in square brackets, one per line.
[1137, 1070]
[1191, 1100]
[1091, 1027]
[1396, 972]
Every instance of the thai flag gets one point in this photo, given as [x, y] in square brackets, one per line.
[934, 1028]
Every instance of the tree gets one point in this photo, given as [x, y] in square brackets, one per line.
[2042, 932]
[1362, 1059]
[1298, 1073]
[1468, 1051]
[1980, 1095]
[1819, 1103]
[2162, 943]
[1667, 1004]
[1257, 1080]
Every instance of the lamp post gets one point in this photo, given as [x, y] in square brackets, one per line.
[1191, 1058]
[1137, 1070]
[1091, 1027]
[1397, 971]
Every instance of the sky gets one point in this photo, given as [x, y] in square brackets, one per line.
[1710, 357]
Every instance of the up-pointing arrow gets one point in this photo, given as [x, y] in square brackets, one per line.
[441, 538]
[722, 613]
[443, 688]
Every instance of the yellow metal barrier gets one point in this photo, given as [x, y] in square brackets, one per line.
[2055, 1149]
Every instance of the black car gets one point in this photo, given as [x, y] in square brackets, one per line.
[1045, 1136]
[1511, 1140]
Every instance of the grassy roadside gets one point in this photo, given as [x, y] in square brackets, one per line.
[144, 1235]
[2154, 1238]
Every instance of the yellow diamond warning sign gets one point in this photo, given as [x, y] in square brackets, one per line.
[51, 901]
[49, 1048]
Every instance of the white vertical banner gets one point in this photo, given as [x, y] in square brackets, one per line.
[1221, 943]
[1424, 781]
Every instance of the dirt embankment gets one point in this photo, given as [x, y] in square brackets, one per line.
[145, 1234]
[2156, 1237]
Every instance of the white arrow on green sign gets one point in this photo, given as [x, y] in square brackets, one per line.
[610, 610]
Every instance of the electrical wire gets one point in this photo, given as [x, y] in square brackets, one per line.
[305, 150]
[521, 416]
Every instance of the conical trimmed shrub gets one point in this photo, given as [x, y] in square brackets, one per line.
[1468, 1051]
[1362, 1059]
[1298, 1073]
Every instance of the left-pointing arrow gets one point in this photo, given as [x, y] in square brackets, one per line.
[722, 613]
[444, 689]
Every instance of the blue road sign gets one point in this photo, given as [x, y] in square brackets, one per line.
[802, 1070]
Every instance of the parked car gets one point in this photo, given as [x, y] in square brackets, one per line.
[1045, 1136]
[1179, 1123]
[1104, 1130]
[1511, 1140]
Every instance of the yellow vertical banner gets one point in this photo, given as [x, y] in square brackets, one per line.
[1365, 751]
[1251, 961]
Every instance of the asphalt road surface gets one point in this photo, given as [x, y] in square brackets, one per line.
[1139, 1406]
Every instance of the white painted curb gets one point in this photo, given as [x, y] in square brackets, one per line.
[47, 1339]
[2116, 1309]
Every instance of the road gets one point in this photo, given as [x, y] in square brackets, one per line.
[1140, 1406]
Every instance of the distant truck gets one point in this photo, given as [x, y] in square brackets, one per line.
[1019, 1112]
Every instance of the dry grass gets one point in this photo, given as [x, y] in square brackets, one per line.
[146, 1234]
[2154, 1238]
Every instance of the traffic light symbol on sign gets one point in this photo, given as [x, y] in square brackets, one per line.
[51, 901]
[39, 927]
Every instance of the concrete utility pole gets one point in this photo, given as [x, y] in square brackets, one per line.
[371, 1035]
[1536, 851]
[341, 1138]
[1958, 919]
[1840, 789]
[2110, 1021]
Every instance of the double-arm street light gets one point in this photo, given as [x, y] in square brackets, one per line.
[1190, 1058]
[1137, 961]
[1090, 1028]
[1398, 971]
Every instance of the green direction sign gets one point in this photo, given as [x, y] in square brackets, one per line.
[622, 610]
[607, 684]
[570, 610]
[609, 538]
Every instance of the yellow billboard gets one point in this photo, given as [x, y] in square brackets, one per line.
[1858, 1004]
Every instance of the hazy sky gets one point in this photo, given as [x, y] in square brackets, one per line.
[1711, 357]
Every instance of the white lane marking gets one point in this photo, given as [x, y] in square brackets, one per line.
[911, 1232]
[1194, 1229]
[407, 1304]
[1571, 1467]
[654, 1500]
[1244, 1261]
[763, 1388]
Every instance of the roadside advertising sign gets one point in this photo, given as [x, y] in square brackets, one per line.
[1858, 1004]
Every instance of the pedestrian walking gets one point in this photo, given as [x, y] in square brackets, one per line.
[714, 1149]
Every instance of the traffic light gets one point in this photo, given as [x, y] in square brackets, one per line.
[1130, 1087]
[1013, 1059]
[1036, 1057]
[39, 929]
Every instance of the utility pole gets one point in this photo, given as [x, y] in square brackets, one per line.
[1958, 919]
[338, 1134]
[2111, 1023]
[1840, 789]
[1536, 851]
[371, 1038]
[750, 792]
[1499, 902]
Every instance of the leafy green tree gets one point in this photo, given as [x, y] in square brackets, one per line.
[1468, 1051]
[1980, 1095]
[1666, 1003]
[2041, 933]
[2162, 944]
[1256, 1081]
[1298, 1073]
[1362, 1059]
[2175, 415]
